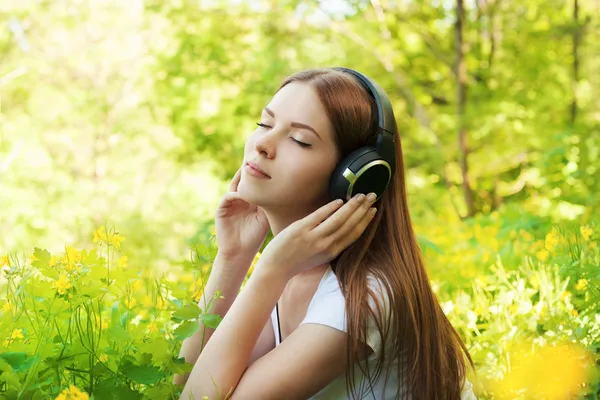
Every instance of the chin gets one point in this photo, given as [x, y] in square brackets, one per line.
[250, 194]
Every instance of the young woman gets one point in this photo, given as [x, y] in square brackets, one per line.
[339, 304]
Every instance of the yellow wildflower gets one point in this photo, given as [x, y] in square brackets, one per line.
[160, 303]
[122, 262]
[130, 303]
[16, 334]
[542, 255]
[581, 284]
[100, 235]
[73, 393]
[552, 239]
[551, 372]
[104, 324]
[4, 261]
[152, 327]
[62, 284]
[108, 239]
[116, 241]
[526, 235]
[586, 232]
[70, 260]
[6, 307]
[135, 285]
[53, 261]
[147, 300]
[565, 295]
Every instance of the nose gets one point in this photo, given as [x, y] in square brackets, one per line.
[266, 143]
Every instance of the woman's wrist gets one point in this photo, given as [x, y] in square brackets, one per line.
[235, 262]
[266, 270]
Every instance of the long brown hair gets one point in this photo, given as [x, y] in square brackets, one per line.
[431, 353]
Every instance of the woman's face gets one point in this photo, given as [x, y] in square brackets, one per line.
[295, 147]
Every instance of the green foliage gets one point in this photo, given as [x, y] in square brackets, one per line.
[87, 318]
[137, 115]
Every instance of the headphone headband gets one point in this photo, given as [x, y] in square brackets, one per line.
[386, 122]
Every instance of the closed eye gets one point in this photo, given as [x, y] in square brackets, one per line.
[302, 144]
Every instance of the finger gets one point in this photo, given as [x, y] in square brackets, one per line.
[235, 181]
[352, 233]
[321, 214]
[228, 200]
[337, 220]
[355, 220]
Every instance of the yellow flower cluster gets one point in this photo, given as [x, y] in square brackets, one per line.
[70, 260]
[62, 284]
[73, 393]
[109, 239]
[552, 239]
[542, 255]
[550, 372]
[16, 334]
[586, 232]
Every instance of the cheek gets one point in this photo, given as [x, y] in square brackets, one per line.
[250, 143]
[312, 176]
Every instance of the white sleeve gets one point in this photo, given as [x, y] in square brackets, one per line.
[467, 392]
[328, 307]
[374, 339]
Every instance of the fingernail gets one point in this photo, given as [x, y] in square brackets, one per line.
[373, 211]
[371, 196]
[360, 197]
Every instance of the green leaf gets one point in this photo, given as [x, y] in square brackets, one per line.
[118, 334]
[43, 258]
[19, 361]
[188, 312]
[185, 330]
[211, 320]
[146, 374]
[98, 272]
[89, 257]
[424, 243]
[124, 393]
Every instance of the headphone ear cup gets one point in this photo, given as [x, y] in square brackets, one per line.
[362, 171]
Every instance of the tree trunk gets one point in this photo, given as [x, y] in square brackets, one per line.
[576, 42]
[461, 78]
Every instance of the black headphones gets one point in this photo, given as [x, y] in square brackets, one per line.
[368, 169]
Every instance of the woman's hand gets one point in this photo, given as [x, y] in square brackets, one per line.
[241, 227]
[319, 237]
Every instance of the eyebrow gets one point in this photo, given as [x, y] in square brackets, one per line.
[295, 124]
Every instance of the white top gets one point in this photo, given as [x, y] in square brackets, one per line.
[327, 307]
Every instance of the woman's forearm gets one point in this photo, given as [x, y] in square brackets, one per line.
[225, 358]
[222, 278]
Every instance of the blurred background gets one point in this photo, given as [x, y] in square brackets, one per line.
[134, 114]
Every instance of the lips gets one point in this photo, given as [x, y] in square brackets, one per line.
[255, 166]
